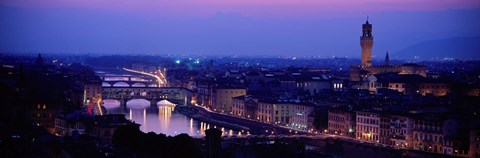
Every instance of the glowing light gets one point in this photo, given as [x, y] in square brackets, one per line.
[99, 106]
[191, 123]
[130, 117]
[159, 80]
[144, 119]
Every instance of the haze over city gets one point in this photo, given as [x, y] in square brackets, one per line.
[251, 28]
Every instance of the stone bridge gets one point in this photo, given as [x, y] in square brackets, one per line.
[179, 96]
[130, 81]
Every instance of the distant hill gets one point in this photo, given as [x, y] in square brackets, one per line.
[458, 48]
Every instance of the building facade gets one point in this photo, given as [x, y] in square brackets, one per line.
[400, 131]
[341, 122]
[92, 91]
[282, 113]
[384, 134]
[368, 126]
[428, 135]
[265, 112]
[223, 98]
[299, 115]
[238, 106]
[474, 143]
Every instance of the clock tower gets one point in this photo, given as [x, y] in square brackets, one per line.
[366, 42]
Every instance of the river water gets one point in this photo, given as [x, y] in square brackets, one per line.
[162, 119]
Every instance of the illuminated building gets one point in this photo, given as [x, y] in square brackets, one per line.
[293, 115]
[341, 122]
[474, 145]
[245, 107]
[313, 84]
[92, 91]
[435, 88]
[282, 113]
[44, 115]
[68, 124]
[384, 134]
[368, 126]
[407, 84]
[400, 130]
[222, 98]
[265, 112]
[365, 69]
[238, 107]
[205, 91]
[366, 42]
[439, 134]
[299, 115]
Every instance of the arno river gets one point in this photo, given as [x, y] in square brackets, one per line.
[162, 119]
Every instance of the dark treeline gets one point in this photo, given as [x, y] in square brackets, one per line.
[129, 141]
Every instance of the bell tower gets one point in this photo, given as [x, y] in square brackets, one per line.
[387, 59]
[366, 42]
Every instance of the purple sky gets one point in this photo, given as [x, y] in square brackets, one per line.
[250, 8]
[251, 27]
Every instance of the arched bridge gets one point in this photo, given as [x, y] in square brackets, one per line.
[179, 96]
[127, 81]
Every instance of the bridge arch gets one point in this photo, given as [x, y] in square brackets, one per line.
[138, 104]
[153, 85]
[111, 103]
[121, 84]
[165, 103]
[138, 84]
[116, 78]
[105, 84]
[137, 79]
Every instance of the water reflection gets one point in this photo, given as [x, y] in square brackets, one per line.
[161, 119]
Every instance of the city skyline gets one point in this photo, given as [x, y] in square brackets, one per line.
[215, 79]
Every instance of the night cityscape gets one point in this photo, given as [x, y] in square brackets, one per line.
[240, 79]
